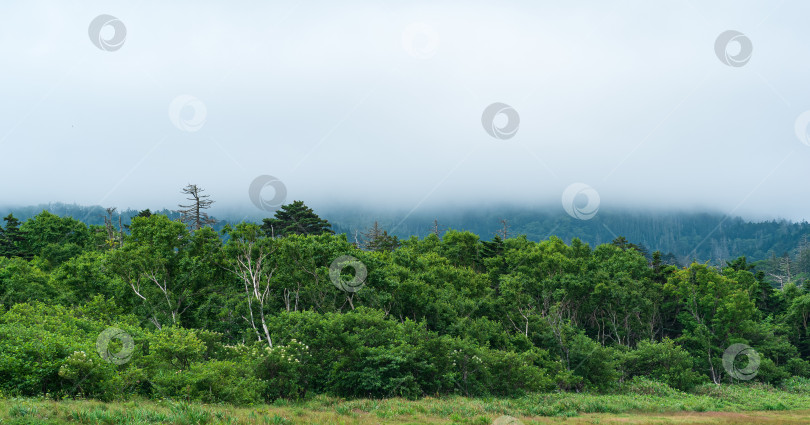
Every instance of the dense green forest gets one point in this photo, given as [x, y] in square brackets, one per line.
[777, 246]
[163, 307]
[687, 236]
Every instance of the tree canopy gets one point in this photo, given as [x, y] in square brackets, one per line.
[296, 219]
[259, 312]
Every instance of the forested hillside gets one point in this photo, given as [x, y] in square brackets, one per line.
[287, 308]
[688, 236]
[780, 248]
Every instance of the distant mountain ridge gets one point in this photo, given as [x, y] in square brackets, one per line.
[689, 236]
[90, 215]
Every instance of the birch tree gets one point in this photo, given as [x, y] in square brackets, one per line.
[249, 261]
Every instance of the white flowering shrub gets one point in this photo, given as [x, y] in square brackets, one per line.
[88, 375]
[284, 369]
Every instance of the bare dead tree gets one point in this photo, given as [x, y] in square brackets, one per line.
[377, 239]
[114, 239]
[356, 242]
[779, 278]
[504, 232]
[194, 214]
[436, 229]
[108, 222]
[372, 235]
[786, 265]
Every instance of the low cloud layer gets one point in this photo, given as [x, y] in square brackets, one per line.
[357, 103]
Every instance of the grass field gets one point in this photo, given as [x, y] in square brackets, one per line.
[710, 405]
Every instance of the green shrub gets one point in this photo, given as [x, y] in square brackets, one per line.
[174, 348]
[513, 373]
[51, 351]
[283, 367]
[595, 364]
[30, 360]
[769, 372]
[662, 361]
[645, 386]
[798, 367]
[796, 385]
[214, 381]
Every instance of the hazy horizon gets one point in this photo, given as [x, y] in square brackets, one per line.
[230, 213]
[368, 106]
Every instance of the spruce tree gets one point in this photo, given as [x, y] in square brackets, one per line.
[377, 239]
[296, 219]
[11, 238]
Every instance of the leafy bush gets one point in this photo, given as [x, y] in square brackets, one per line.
[174, 348]
[510, 373]
[364, 354]
[798, 367]
[662, 361]
[595, 364]
[283, 368]
[796, 385]
[30, 360]
[51, 351]
[210, 382]
[769, 372]
[646, 386]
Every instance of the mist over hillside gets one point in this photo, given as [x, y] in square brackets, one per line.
[700, 236]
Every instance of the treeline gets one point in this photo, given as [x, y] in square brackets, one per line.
[254, 312]
[94, 215]
[686, 236]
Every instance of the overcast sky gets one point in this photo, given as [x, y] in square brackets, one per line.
[360, 103]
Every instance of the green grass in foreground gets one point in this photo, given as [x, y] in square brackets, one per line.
[726, 405]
